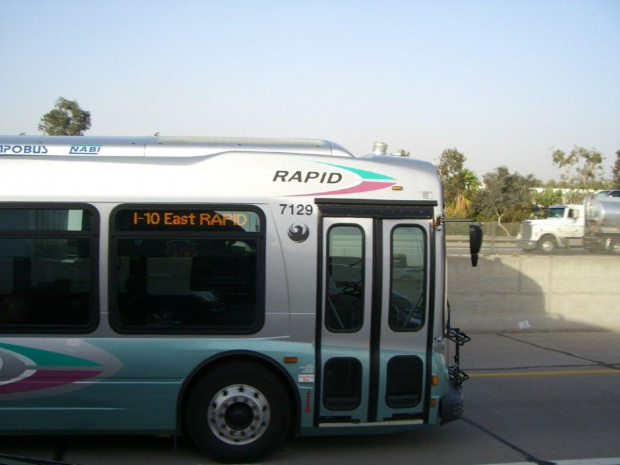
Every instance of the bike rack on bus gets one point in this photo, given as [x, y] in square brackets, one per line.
[457, 376]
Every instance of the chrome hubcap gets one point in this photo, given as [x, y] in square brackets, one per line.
[238, 414]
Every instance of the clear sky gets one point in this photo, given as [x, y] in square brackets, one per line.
[504, 82]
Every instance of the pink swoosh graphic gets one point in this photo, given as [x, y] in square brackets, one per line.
[364, 186]
[44, 379]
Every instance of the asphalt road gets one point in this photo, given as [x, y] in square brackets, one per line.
[532, 398]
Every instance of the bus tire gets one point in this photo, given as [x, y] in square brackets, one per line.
[238, 412]
[547, 244]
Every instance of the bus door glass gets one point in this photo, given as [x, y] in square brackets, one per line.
[403, 348]
[373, 354]
[347, 305]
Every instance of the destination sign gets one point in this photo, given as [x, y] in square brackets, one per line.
[186, 220]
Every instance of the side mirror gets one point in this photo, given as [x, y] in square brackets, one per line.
[475, 242]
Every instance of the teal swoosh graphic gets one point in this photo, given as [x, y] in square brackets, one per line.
[362, 173]
[47, 358]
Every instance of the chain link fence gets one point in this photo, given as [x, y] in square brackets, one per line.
[495, 236]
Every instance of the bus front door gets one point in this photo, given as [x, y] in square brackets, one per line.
[375, 302]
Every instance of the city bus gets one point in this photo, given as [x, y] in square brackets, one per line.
[234, 290]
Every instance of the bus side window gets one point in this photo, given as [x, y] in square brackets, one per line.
[46, 270]
[173, 280]
[209, 289]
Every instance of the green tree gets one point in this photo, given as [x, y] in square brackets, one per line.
[462, 206]
[66, 119]
[583, 171]
[450, 167]
[548, 197]
[506, 197]
[616, 172]
[472, 183]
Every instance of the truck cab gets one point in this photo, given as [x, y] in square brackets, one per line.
[557, 226]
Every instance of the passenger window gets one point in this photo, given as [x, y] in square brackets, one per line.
[177, 273]
[344, 306]
[47, 266]
[408, 296]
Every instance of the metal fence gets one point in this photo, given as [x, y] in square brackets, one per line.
[495, 236]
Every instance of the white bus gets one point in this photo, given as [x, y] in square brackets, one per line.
[236, 290]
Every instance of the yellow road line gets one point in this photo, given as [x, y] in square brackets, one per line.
[544, 373]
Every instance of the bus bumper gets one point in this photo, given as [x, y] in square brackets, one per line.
[451, 406]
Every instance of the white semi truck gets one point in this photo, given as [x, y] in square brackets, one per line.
[595, 225]
[560, 226]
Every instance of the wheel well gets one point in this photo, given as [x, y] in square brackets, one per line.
[250, 357]
[549, 237]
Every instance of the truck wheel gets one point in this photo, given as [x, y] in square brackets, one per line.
[547, 244]
[238, 412]
[614, 246]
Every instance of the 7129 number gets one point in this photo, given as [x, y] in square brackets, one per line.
[293, 209]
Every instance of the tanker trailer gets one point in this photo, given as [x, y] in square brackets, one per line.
[602, 225]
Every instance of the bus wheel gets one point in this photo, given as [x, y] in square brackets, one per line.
[547, 244]
[238, 413]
